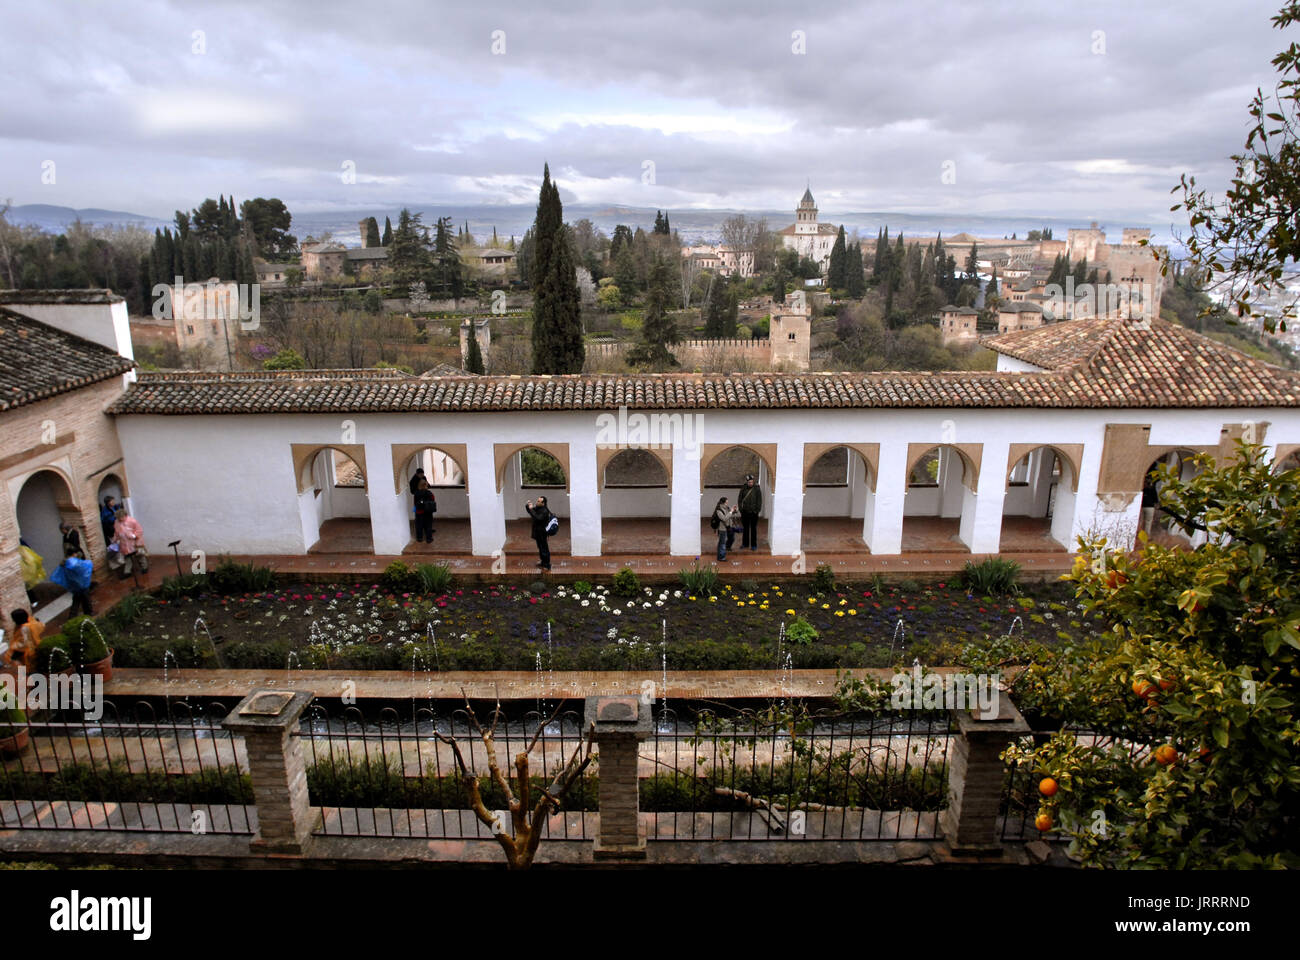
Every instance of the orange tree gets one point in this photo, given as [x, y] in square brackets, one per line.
[1190, 683]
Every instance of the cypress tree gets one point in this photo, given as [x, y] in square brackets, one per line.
[388, 232]
[715, 309]
[372, 233]
[854, 281]
[882, 245]
[557, 320]
[473, 355]
[836, 271]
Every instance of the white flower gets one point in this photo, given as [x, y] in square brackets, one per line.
[646, 605]
[616, 612]
[659, 603]
[677, 594]
[586, 603]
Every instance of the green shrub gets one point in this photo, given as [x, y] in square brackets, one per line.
[230, 577]
[434, 577]
[11, 721]
[582, 586]
[52, 654]
[823, 579]
[626, 583]
[699, 581]
[908, 586]
[85, 641]
[878, 585]
[748, 586]
[398, 577]
[995, 576]
[128, 610]
[801, 632]
[186, 585]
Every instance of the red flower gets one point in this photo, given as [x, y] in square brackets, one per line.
[982, 610]
[532, 599]
[943, 586]
[867, 593]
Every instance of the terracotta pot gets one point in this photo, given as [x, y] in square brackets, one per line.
[102, 667]
[10, 746]
[375, 638]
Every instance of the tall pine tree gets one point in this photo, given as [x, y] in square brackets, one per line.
[658, 329]
[557, 318]
[388, 232]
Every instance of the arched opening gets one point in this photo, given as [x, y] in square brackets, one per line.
[44, 500]
[837, 502]
[939, 497]
[532, 472]
[1038, 511]
[335, 503]
[1160, 527]
[724, 476]
[451, 521]
[635, 506]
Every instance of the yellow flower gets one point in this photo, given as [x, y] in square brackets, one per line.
[750, 595]
[740, 603]
[826, 606]
[852, 612]
[713, 599]
[839, 613]
[842, 602]
[812, 599]
[790, 612]
[691, 598]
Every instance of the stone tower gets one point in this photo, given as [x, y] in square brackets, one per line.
[363, 224]
[790, 332]
[805, 216]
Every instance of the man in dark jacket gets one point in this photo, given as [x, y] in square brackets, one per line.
[416, 478]
[750, 501]
[108, 517]
[425, 507]
[541, 514]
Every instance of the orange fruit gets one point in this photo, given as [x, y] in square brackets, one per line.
[1168, 684]
[1143, 689]
[1047, 787]
[1043, 822]
[1165, 754]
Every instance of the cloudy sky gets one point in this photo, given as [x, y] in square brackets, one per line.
[1047, 108]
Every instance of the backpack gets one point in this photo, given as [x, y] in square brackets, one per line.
[552, 526]
[713, 522]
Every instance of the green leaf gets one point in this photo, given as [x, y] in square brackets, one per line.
[1220, 733]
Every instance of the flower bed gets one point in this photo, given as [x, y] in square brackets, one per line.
[505, 627]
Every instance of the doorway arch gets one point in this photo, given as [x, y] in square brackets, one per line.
[334, 499]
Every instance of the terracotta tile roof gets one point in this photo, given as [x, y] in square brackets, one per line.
[38, 361]
[1091, 364]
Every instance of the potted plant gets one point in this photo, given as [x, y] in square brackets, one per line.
[80, 648]
[90, 653]
[14, 732]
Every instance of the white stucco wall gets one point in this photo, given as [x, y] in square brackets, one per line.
[245, 461]
[1012, 365]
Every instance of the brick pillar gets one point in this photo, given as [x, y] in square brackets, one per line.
[976, 777]
[621, 723]
[267, 719]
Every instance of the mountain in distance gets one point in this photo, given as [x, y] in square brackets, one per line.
[55, 219]
[693, 225]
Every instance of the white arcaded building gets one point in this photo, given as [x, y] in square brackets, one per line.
[1063, 432]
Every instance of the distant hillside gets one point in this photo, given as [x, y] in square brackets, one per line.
[57, 219]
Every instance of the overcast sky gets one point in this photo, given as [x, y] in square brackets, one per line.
[1051, 108]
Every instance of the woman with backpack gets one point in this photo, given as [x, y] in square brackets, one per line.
[545, 524]
[425, 507]
[720, 523]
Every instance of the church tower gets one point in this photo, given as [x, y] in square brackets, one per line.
[805, 217]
